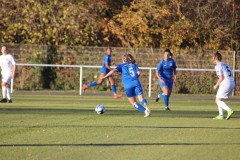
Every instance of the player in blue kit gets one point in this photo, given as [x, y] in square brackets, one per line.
[130, 73]
[166, 74]
[104, 70]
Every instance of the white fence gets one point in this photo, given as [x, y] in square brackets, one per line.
[81, 72]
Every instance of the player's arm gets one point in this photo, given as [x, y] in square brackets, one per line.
[158, 70]
[107, 66]
[220, 79]
[138, 73]
[138, 70]
[175, 74]
[113, 63]
[13, 73]
[159, 78]
[109, 73]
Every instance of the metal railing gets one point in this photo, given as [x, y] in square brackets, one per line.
[81, 72]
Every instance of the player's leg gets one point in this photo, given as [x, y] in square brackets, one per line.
[220, 110]
[94, 83]
[169, 92]
[130, 93]
[113, 87]
[9, 96]
[224, 92]
[4, 92]
[164, 94]
[6, 80]
[139, 93]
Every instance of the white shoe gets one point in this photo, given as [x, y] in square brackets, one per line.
[147, 112]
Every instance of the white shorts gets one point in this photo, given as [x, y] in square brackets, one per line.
[225, 89]
[6, 78]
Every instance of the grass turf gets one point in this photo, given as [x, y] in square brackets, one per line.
[66, 127]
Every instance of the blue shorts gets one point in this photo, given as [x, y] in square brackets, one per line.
[168, 83]
[134, 91]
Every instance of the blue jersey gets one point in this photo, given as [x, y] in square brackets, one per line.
[165, 69]
[107, 59]
[129, 74]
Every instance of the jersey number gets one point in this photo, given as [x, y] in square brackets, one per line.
[229, 71]
[131, 72]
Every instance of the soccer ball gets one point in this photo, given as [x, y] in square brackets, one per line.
[100, 109]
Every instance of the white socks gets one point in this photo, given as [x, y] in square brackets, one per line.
[4, 92]
[8, 93]
[221, 106]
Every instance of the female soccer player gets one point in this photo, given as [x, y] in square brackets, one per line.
[130, 73]
[8, 66]
[104, 70]
[166, 73]
[225, 83]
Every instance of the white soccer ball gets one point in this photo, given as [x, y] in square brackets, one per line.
[100, 109]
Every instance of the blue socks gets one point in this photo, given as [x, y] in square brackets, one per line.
[92, 84]
[114, 90]
[113, 87]
[139, 107]
[165, 98]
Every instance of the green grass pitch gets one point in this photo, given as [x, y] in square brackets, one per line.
[63, 126]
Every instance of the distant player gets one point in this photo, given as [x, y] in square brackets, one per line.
[130, 73]
[8, 66]
[166, 74]
[104, 70]
[225, 83]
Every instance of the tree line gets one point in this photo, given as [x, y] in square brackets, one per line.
[188, 24]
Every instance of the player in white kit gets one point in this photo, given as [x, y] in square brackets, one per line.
[225, 83]
[8, 65]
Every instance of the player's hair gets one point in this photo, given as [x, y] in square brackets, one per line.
[168, 50]
[5, 46]
[129, 58]
[218, 56]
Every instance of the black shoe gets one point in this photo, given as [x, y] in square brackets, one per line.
[4, 100]
[157, 98]
[167, 109]
[9, 101]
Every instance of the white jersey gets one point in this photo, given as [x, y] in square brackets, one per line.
[228, 84]
[224, 70]
[7, 62]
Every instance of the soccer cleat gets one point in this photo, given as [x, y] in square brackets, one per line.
[84, 87]
[229, 114]
[9, 101]
[219, 117]
[157, 98]
[117, 96]
[167, 109]
[4, 100]
[147, 112]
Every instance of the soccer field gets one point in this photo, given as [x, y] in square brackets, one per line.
[64, 126]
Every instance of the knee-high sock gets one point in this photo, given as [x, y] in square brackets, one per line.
[144, 102]
[4, 92]
[114, 90]
[139, 107]
[8, 93]
[92, 84]
[220, 110]
[223, 105]
[165, 98]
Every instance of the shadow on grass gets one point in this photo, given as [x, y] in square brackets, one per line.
[116, 144]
